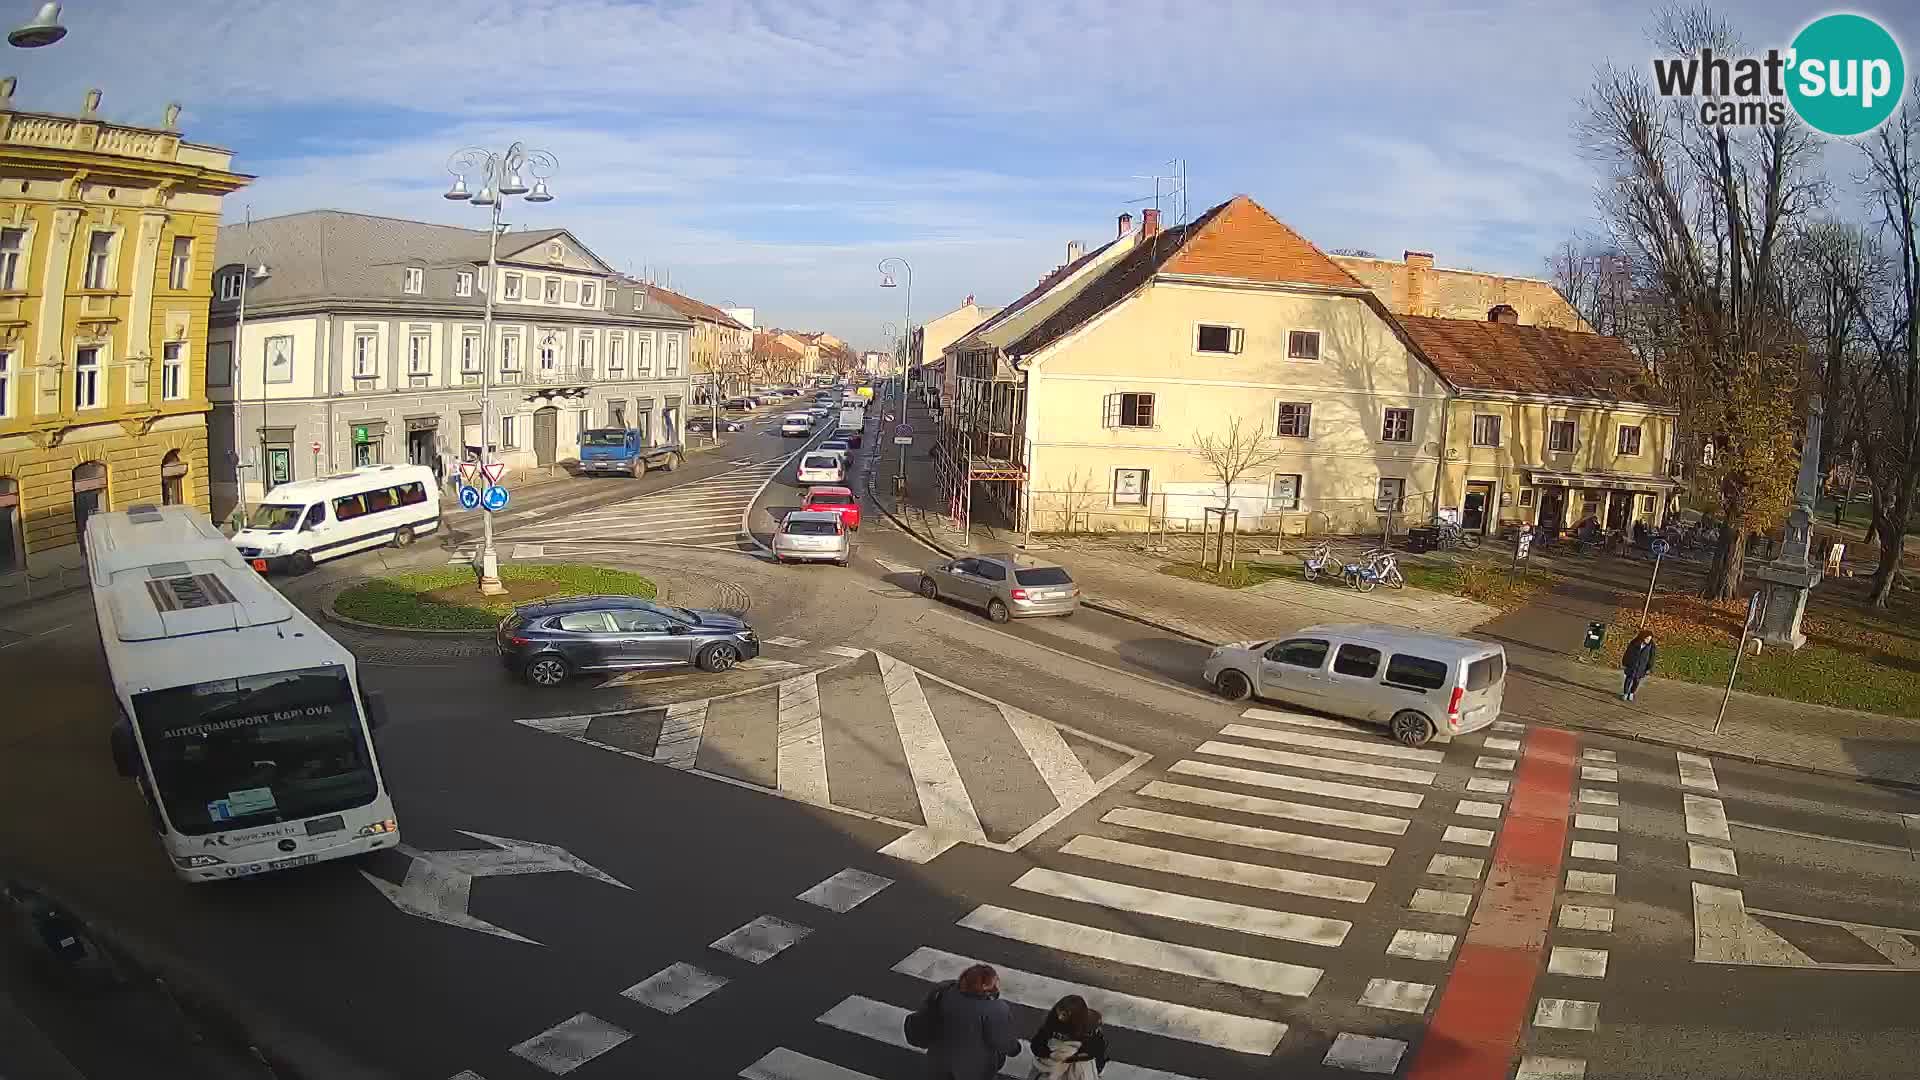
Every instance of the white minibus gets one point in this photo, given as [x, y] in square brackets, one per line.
[309, 521]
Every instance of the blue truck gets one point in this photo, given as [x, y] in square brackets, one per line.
[622, 451]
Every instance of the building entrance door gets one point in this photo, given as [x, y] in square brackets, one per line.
[1553, 510]
[1474, 510]
[546, 435]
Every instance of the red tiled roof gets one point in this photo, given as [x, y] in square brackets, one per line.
[688, 306]
[1507, 358]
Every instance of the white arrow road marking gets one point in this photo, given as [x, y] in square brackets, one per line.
[439, 884]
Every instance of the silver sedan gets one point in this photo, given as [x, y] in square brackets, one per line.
[1006, 586]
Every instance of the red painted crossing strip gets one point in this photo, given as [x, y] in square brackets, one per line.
[1476, 1029]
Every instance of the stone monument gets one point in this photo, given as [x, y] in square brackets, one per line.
[1786, 580]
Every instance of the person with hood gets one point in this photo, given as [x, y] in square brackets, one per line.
[1069, 1044]
[975, 1028]
[1637, 663]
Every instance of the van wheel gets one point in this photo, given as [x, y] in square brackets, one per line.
[1232, 685]
[1411, 728]
[998, 612]
[300, 562]
[548, 670]
[403, 536]
[718, 657]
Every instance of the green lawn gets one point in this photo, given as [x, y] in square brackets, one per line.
[448, 597]
[1488, 584]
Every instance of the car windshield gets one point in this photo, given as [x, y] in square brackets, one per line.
[607, 437]
[274, 517]
[821, 461]
[236, 753]
[805, 527]
[831, 500]
[1042, 575]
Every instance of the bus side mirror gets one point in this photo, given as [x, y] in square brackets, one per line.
[376, 706]
[126, 757]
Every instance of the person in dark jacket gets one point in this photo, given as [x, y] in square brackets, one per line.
[976, 1029]
[1070, 1035]
[1637, 664]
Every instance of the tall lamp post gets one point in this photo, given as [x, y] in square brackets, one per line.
[238, 361]
[500, 177]
[906, 327]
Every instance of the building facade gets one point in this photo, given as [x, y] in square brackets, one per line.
[106, 250]
[722, 347]
[364, 345]
[1414, 286]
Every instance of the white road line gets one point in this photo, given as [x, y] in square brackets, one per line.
[1723, 933]
[1408, 997]
[1066, 776]
[883, 1022]
[845, 890]
[1501, 746]
[784, 642]
[1420, 945]
[1365, 1053]
[1587, 849]
[1199, 911]
[1599, 774]
[1497, 764]
[1596, 822]
[1408, 800]
[1473, 837]
[1509, 727]
[1340, 766]
[1541, 1067]
[1487, 785]
[1220, 832]
[1470, 808]
[1712, 858]
[944, 804]
[851, 652]
[1603, 757]
[1579, 963]
[570, 1044]
[1275, 808]
[1459, 866]
[896, 568]
[1706, 817]
[1438, 902]
[680, 733]
[1567, 1015]
[673, 988]
[781, 1063]
[1321, 742]
[1208, 868]
[1586, 881]
[1586, 917]
[1598, 797]
[1900, 849]
[1253, 973]
[1309, 720]
[801, 758]
[761, 940]
[1225, 1030]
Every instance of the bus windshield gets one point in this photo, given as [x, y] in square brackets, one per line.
[275, 517]
[607, 437]
[238, 753]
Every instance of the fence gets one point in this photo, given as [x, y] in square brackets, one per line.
[1173, 517]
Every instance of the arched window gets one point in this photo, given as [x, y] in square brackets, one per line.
[13, 545]
[89, 496]
[173, 479]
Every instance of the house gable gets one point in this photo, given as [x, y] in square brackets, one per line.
[550, 249]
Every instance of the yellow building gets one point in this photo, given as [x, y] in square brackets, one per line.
[106, 260]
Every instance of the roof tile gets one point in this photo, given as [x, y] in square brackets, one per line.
[1508, 358]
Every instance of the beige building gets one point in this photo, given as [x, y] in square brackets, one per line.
[722, 346]
[1415, 286]
[106, 259]
[931, 338]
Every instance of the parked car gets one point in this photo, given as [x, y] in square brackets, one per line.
[813, 536]
[835, 500]
[1418, 685]
[704, 425]
[738, 404]
[837, 445]
[797, 423]
[546, 642]
[1006, 586]
[820, 467]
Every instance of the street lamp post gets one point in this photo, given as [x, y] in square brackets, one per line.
[500, 177]
[906, 339]
[237, 361]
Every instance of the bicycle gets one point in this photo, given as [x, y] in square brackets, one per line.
[1387, 566]
[1450, 535]
[1316, 561]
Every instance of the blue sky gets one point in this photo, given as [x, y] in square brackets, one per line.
[771, 152]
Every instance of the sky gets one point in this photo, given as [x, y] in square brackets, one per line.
[770, 153]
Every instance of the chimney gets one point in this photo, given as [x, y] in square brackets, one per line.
[1149, 224]
[969, 302]
[1073, 252]
[1503, 313]
[1126, 224]
[1418, 264]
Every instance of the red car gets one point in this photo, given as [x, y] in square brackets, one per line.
[835, 500]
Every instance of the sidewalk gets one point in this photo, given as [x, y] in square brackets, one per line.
[1547, 684]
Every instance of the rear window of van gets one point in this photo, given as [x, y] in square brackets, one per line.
[1486, 671]
[1417, 672]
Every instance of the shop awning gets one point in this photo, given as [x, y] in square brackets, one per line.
[1611, 480]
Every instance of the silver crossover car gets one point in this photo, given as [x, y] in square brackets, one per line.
[1006, 586]
[812, 536]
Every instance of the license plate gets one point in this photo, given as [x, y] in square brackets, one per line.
[297, 860]
[326, 825]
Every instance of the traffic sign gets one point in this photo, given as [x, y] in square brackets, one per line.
[469, 497]
[1659, 547]
[889, 418]
[1526, 545]
[469, 470]
[493, 471]
[494, 499]
[316, 447]
[905, 427]
[903, 440]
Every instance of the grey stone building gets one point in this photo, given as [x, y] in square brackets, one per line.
[363, 346]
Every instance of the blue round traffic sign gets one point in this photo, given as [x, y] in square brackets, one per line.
[469, 497]
[495, 498]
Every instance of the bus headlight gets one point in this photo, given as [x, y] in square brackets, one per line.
[196, 862]
[378, 828]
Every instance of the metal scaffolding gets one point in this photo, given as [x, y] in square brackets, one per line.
[982, 440]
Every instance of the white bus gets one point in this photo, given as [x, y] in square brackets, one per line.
[241, 720]
[309, 521]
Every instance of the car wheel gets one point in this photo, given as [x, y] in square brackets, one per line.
[402, 536]
[928, 589]
[718, 656]
[1411, 728]
[548, 670]
[300, 562]
[1232, 685]
[997, 611]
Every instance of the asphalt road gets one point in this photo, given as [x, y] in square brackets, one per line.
[1239, 893]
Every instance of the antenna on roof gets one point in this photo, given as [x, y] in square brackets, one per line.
[1171, 186]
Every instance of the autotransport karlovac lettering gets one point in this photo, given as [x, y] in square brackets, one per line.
[214, 726]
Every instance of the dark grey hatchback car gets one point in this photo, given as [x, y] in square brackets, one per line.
[546, 642]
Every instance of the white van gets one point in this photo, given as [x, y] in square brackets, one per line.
[798, 423]
[1417, 685]
[309, 521]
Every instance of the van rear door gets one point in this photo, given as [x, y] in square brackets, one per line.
[1483, 683]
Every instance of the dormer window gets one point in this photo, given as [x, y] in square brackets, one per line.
[1503, 313]
[416, 280]
[230, 286]
[463, 283]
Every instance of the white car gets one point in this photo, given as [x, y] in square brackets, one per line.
[822, 467]
[812, 536]
[797, 424]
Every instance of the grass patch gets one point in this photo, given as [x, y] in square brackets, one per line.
[1239, 576]
[1852, 659]
[448, 598]
[1490, 585]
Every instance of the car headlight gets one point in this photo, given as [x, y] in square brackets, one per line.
[378, 828]
[196, 862]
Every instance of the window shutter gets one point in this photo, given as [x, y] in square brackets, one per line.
[1143, 410]
[1112, 411]
[1236, 340]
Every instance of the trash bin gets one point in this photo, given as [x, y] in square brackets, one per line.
[1421, 539]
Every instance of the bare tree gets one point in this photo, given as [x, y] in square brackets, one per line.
[1707, 211]
[1832, 260]
[1234, 453]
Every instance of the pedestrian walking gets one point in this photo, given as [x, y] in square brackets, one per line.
[973, 1029]
[1637, 663]
[1069, 1044]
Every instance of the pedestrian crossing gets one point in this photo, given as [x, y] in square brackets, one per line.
[874, 737]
